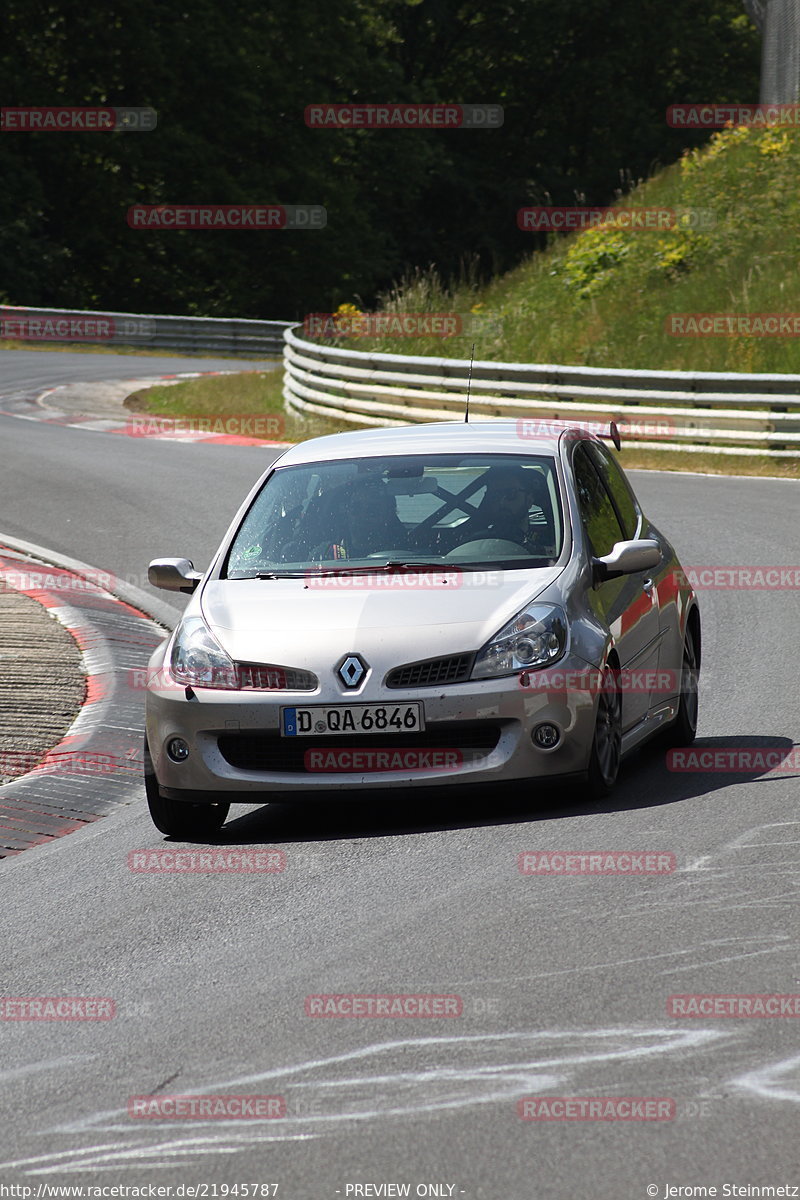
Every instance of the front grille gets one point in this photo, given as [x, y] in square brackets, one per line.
[268, 751]
[432, 672]
[264, 677]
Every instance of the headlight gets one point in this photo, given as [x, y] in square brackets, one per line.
[536, 637]
[197, 659]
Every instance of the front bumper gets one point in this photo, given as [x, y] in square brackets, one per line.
[477, 732]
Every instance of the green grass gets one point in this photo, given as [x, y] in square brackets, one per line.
[601, 297]
[632, 458]
[233, 395]
[226, 395]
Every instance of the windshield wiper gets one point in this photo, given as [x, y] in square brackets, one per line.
[443, 568]
[385, 566]
[268, 575]
[280, 575]
[317, 572]
[320, 572]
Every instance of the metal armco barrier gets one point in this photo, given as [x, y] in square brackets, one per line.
[697, 412]
[222, 335]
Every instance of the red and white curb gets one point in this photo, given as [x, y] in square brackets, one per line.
[147, 425]
[98, 763]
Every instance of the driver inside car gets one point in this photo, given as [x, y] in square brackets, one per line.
[503, 513]
[369, 525]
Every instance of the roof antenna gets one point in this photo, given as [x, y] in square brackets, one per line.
[469, 384]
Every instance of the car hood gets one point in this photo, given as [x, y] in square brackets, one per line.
[300, 623]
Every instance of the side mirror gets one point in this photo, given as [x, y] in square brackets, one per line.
[174, 574]
[627, 558]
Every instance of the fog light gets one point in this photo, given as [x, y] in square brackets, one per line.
[177, 749]
[546, 736]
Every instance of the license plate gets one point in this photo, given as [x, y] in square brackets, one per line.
[319, 721]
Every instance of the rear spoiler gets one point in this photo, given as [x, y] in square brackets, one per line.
[593, 427]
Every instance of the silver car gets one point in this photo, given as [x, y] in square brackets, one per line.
[433, 605]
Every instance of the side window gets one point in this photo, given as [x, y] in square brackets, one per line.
[618, 486]
[599, 515]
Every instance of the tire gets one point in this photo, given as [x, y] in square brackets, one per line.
[177, 818]
[683, 730]
[606, 753]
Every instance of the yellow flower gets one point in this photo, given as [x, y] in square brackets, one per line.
[774, 143]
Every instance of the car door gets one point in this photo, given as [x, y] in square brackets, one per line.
[628, 605]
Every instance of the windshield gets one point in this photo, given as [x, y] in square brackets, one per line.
[454, 511]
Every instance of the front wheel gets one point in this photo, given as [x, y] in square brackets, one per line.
[177, 818]
[606, 753]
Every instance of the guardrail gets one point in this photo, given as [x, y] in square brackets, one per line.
[660, 410]
[727, 413]
[223, 335]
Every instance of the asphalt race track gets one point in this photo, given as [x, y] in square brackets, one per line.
[564, 981]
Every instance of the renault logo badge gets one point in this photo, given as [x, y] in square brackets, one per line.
[352, 670]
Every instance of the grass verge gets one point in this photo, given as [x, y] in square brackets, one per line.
[632, 459]
[261, 393]
[250, 392]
